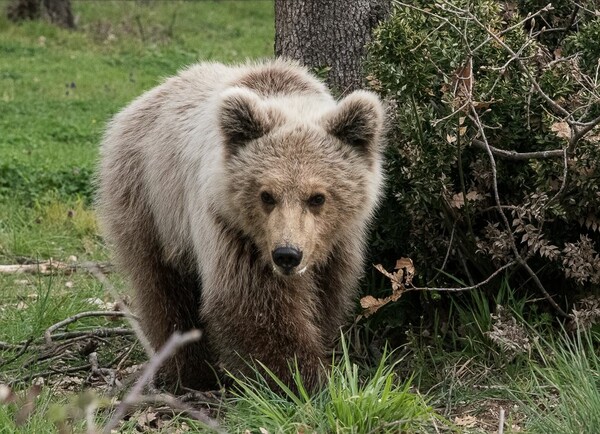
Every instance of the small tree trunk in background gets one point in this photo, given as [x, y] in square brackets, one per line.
[328, 34]
[59, 12]
[56, 11]
[20, 10]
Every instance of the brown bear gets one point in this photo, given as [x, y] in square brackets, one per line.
[237, 200]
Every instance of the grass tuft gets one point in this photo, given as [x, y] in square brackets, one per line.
[350, 402]
[566, 397]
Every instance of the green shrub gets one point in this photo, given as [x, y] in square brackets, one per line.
[461, 76]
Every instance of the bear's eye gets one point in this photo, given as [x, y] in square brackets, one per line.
[316, 200]
[267, 199]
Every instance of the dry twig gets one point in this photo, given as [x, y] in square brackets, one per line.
[72, 319]
[518, 156]
[51, 267]
[134, 396]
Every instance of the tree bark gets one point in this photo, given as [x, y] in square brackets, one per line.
[328, 35]
[58, 12]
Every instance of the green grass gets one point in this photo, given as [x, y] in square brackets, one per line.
[564, 396]
[49, 229]
[351, 402]
[38, 422]
[58, 88]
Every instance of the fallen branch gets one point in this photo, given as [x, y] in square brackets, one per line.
[207, 397]
[60, 352]
[52, 267]
[46, 374]
[5, 346]
[48, 353]
[112, 380]
[100, 332]
[580, 132]
[20, 352]
[72, 319]
[46, 267]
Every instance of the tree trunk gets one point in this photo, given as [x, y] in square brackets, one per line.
[20, 10]
[59, 12]
[56, 11]
[328, 35]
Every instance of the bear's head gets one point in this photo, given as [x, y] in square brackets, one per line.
[304, 172]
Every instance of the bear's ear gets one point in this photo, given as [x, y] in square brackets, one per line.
[357, 120]
[243, 118]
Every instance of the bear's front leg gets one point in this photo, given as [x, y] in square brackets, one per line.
[166, 302]
[275, 326]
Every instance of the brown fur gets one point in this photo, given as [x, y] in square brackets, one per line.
[183, 172]
[272, 80]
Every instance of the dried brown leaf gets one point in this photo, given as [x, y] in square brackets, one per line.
[466, 421]
[147, 419]
[407, 266]
[404, 275]
[591, 222]
[458, 201]
[370, 302]
[404, 263]
[396, 278]
[474, 195]
[383, 271]
[562, 130]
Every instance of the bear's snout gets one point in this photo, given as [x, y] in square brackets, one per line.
[287, 258]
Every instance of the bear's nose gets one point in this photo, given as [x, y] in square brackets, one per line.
[287, 258]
